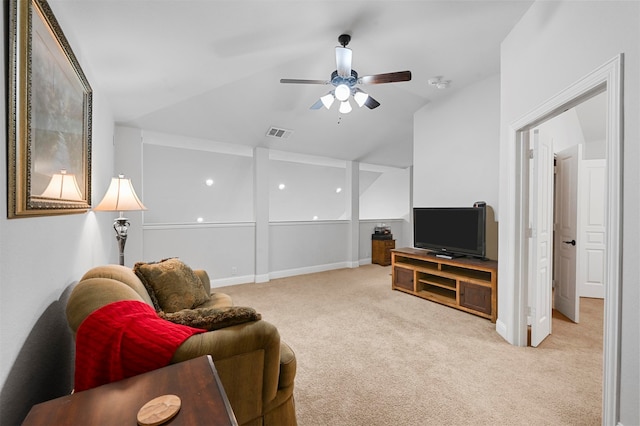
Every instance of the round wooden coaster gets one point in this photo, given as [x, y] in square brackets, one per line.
[159, 410]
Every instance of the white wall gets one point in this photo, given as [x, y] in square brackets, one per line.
[179, 192]
[564, 129]
[309, 191]
[456, 147]
[552, 47]
[40, 259]
[225, 251]
[226, 245]
[387, 196]
[303, 247]
[456, 152]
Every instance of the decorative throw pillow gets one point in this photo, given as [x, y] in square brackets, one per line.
[172, 284]
[212, 318]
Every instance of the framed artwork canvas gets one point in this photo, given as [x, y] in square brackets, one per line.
[49, 123]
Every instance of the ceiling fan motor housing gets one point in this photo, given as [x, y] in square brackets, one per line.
[350, 81]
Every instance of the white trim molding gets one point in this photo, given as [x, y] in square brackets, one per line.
[607, 77]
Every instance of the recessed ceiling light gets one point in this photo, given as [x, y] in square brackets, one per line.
[200, 220]
[315, 218]
[281, 186]
[439, 82]
[209, 182]
[338, 190]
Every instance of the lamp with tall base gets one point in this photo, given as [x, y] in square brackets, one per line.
[120, 197]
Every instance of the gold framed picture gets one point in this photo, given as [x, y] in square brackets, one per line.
[49, 123]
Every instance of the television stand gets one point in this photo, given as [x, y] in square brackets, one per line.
[464, 283]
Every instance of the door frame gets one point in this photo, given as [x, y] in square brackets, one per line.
[609, 78]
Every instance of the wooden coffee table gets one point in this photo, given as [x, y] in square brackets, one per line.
[195, 382]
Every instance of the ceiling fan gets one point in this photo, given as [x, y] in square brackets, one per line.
[344, 79]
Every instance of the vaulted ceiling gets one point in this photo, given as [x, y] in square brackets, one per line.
[212, 69]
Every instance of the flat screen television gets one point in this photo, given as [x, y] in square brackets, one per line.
[450, 231]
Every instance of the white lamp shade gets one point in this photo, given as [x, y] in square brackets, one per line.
[345, 107]
[327, 100]
[360, 97]
[63, 186]
[120, 197]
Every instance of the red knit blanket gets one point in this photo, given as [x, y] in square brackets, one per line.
[123, 339]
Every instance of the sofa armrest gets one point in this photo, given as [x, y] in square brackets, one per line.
[288, 366]
[247, 357]
[92, 294]
[218, 300]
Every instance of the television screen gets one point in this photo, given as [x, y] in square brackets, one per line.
[450, 230]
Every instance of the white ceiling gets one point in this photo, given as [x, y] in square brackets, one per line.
[211, 69]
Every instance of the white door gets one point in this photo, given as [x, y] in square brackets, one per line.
[566, 297]
[541, 253]
[591, 255]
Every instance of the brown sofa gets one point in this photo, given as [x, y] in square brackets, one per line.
[256, 369]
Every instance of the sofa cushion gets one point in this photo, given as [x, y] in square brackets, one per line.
[172, 285]
[218, 301]
[212, 318]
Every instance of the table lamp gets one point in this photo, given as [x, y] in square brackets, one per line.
[120, 197]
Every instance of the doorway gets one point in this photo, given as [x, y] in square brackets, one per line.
[607, 77]
[576, 196]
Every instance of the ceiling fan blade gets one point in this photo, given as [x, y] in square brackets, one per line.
[391, 77]
[317, 105]
[343, 61]
[298, 81]
[371, 103]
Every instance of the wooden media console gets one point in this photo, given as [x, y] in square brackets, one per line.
[463, 283]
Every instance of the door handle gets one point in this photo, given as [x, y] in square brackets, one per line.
[572, 242]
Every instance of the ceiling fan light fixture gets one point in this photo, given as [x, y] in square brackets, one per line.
[344, 80]
[345, 107]
[360, 97]
[342, 92]
[327, 100]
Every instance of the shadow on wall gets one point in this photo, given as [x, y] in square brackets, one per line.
[491, 234]
[43, 369]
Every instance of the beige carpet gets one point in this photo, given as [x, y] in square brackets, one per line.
[368, 355]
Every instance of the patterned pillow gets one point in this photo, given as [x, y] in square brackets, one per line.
[172, 285]
[212, 318]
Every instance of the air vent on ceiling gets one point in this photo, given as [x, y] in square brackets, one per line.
[279, 133]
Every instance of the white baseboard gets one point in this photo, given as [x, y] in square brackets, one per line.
[263, 278]
[501, 329]
[309, 270]
[223, 282]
